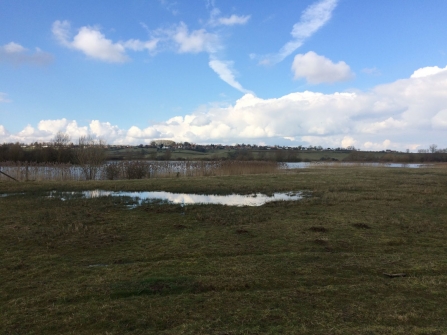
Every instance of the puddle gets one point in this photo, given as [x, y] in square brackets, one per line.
[138, 198]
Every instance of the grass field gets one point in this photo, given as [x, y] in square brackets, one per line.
[314, 266]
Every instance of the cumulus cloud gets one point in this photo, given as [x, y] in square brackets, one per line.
[428, 71]
[403, 114]
[318, 69]
[16, 54]
[407, 113]
[94, 44]
[3, 132]
[439, 121]
[312, 19]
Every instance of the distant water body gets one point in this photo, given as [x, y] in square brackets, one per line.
[304, 165]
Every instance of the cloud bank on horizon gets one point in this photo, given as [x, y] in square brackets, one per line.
[412, 105]
[397, 114]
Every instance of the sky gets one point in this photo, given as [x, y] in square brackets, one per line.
[335, 73]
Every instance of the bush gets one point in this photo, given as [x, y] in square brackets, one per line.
[136, 169]
[112, 170]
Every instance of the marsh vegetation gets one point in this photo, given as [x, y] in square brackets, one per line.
[133, 170]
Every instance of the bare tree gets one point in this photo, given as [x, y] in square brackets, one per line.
[61, 139]
[433, 148]
[91, 155]
[61, 142]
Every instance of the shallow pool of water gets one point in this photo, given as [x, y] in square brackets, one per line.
[255, 199]
[303, 165]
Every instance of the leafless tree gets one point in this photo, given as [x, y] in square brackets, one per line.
[60, 143]
[433, 148]
[61, 139]
[91, 155]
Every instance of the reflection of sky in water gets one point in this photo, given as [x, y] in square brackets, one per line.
[303, 165]
[257, 199]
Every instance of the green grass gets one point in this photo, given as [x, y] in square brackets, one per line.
[309, 267]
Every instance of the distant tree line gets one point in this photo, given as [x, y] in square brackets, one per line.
[422, 156]
[89, 153]
[37, 152]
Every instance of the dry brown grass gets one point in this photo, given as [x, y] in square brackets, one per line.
[306, 267]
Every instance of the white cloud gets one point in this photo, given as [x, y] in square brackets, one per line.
[216, 20]
[137, 45]
[234, 19]
[428, 71]
[13, 48]
[318, 69]
[94, 44]
[386, 144]
[226, 73]
[16, 54]
[312, 19]
[203, 41]
[195, 41]
[403, 114]
[52, 125]
[439, 121]
[3, 132]
[347, 141]
[105, 130]
[389, 123]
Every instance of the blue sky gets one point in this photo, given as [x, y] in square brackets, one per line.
[372, 74]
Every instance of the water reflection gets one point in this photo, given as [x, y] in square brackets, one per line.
[256, 199]
[303, 165]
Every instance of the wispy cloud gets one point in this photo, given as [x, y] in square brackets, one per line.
[225, 71]
[312, 19]
[91, 42]
[234, 20]
[217, 20]
[170, 6]
[201, 40]
[16, 54]
[373, 71]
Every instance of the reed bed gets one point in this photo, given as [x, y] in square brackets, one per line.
[134, 170]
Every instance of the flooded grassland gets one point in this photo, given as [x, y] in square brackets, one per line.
[318, 264]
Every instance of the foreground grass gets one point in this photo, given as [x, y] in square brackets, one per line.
[309, 267]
